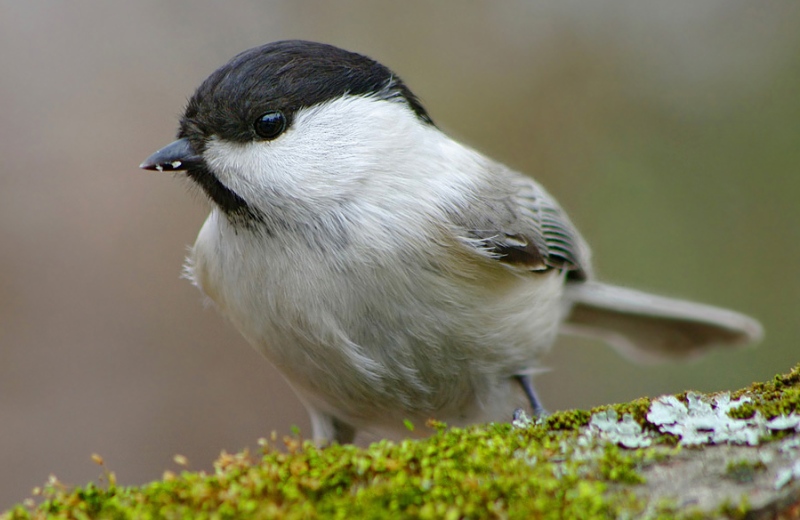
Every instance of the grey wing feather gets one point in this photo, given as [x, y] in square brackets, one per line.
[564, 246]
[520, 224]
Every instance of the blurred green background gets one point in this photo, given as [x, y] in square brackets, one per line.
[669, 130]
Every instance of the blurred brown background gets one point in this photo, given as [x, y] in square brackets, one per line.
[669, 130]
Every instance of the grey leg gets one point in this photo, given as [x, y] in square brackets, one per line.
[527, 386]
[327, 428]
[343, 433]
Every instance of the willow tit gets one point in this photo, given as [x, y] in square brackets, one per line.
[389, 272]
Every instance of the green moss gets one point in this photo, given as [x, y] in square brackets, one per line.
[494, 470]
[547, 470]
[574, 419]
[780, 396]
[568, 420]
[743, 411]
[735, 510]
[618, 466]
[637, 408]
[744, 470]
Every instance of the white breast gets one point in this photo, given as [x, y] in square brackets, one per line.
[370, 341]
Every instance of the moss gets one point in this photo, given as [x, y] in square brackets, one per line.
[744, 470]
[780, 396]
[574, 419]
[550, 469]
[568, 420]
[618, 466]
[735, 510]
[743, 411]
[637, 408]
[494, 470]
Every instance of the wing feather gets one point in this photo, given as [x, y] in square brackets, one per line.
[517, 222]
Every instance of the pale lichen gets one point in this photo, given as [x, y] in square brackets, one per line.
[705, 420]
[626, 432]
[786, 475]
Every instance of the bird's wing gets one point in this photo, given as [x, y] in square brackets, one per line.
[518, 223]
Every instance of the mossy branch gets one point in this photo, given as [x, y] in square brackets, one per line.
[573, 464]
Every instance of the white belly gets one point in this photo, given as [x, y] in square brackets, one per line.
[375, 344]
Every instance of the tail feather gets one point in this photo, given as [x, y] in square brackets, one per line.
[649, 328]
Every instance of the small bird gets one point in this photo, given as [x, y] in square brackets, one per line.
[389, 272]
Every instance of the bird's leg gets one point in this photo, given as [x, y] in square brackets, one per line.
[327, 428]
[527, 386]
[343, 433]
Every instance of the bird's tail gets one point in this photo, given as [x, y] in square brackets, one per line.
[648, 328]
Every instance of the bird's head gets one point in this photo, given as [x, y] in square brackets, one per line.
[292, 124]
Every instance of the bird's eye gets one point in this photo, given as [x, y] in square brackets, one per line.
[270, 125]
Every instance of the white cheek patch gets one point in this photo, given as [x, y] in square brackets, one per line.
[247, 169]
[327, 140]
[332, 152]
[230, 161]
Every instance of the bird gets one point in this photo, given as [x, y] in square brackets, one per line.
[390, 273]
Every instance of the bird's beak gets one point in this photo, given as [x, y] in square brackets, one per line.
[176, 156]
